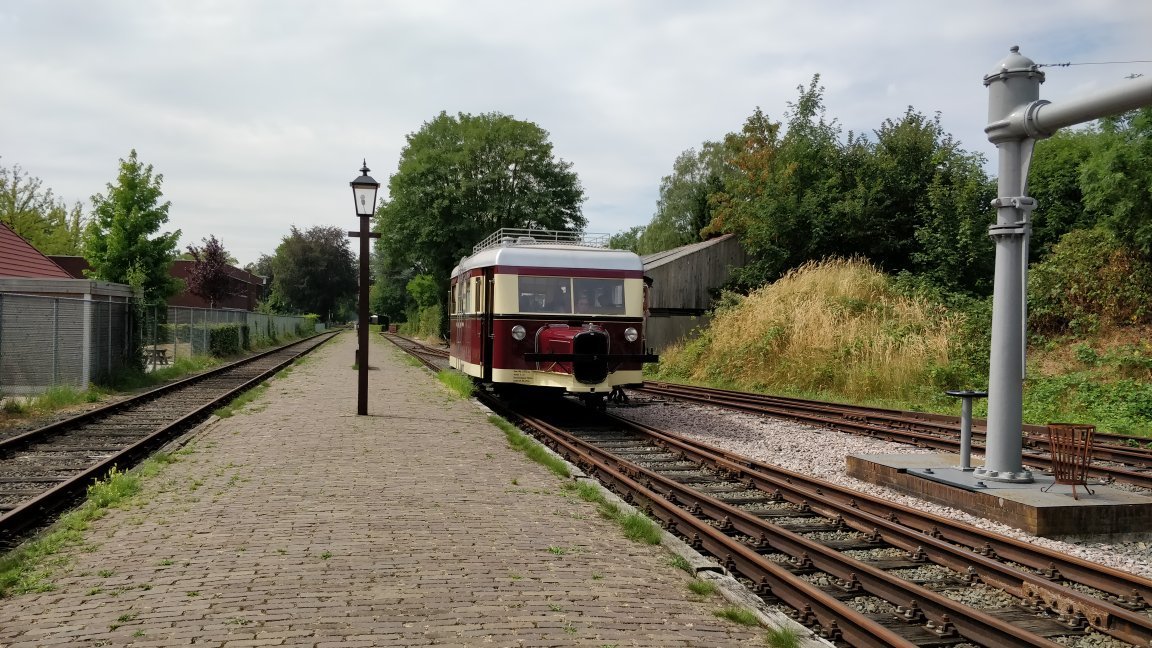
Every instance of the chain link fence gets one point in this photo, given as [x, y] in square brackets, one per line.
[59, 341]
[174, 332]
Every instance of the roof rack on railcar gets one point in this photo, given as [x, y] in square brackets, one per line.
[509, 236]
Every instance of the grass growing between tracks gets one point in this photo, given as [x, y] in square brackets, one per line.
[31, 566]
[737, 615]
[460, 383]
[783, 638]
[241, 401]
[635, 525]
[523, 443]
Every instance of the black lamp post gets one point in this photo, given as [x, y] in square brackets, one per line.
[364, 191]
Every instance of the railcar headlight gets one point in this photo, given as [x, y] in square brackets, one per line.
[631, 334]
[518, 332]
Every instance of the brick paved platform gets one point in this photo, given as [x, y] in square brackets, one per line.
[298, 523]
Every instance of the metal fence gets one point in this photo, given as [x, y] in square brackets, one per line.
[184, 332]
[50, 341]
[59, 341]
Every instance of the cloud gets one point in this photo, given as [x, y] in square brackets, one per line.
[258, 113]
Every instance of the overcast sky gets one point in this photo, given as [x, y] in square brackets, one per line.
[258, 113]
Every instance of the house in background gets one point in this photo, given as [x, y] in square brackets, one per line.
[245, 290]
[56, 329]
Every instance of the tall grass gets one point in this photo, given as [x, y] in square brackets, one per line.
[835, 327]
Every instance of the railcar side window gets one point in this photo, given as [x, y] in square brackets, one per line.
[544, 294]
[599, 296]
[478, 295]
[452, 300]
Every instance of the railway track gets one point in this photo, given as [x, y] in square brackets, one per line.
[1125, 459]
[45, 469]
[435, 358]
[861, 570]
[864, 571]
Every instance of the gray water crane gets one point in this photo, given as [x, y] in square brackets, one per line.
[1017, 118]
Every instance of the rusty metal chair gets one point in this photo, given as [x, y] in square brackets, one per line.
[1071, 448]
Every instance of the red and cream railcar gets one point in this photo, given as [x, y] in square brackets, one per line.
[547, 309]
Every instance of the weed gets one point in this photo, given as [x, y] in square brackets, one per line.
[326, 555]
[240, 401]
[127, 616]
[737, 615]
[515, 482]
[138, 633]
[30, 567]
[555, 607]
[556, 550]
[460, 383]
[105, 573]
[536, 452]
[680, 562]
[639, 528]
[515, 577]
[94, 591]
[702, 587]
[165, 562]
[193, 594]
[597, 576]
[569, 628]
[783, 637]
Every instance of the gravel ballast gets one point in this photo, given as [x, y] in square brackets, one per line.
[821, 452]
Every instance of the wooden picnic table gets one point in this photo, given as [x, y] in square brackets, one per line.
[156, 356]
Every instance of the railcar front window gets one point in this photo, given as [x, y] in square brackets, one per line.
[545, 294]
[599, 296]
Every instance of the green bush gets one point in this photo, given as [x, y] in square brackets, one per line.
[227, 339]
[1089, 281]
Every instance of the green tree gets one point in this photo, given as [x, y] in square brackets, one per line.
[1117, 178]
[33, 212]
[388, 295]
[461, 178]
[209, 277]
[117, 240]
[629, 239]
[1054, 181]
[315, 272]
[684, 208]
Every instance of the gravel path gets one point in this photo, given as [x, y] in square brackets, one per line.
[820, 452]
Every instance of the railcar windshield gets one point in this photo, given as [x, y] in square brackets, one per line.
[571, 295]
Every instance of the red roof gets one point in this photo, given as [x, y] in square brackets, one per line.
[19, 259]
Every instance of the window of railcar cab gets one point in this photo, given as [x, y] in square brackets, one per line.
[544, 294]
[477, 295]
[452, 299]
[599, 296]
[465, 296]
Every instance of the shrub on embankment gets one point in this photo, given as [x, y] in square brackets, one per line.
[842, 331]
[838, 328]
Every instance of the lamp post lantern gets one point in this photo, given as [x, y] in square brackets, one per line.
[364, 192]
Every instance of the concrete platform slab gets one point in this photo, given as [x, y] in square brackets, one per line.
[1053, 514]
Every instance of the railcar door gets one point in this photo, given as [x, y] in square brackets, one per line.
[486, 328]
